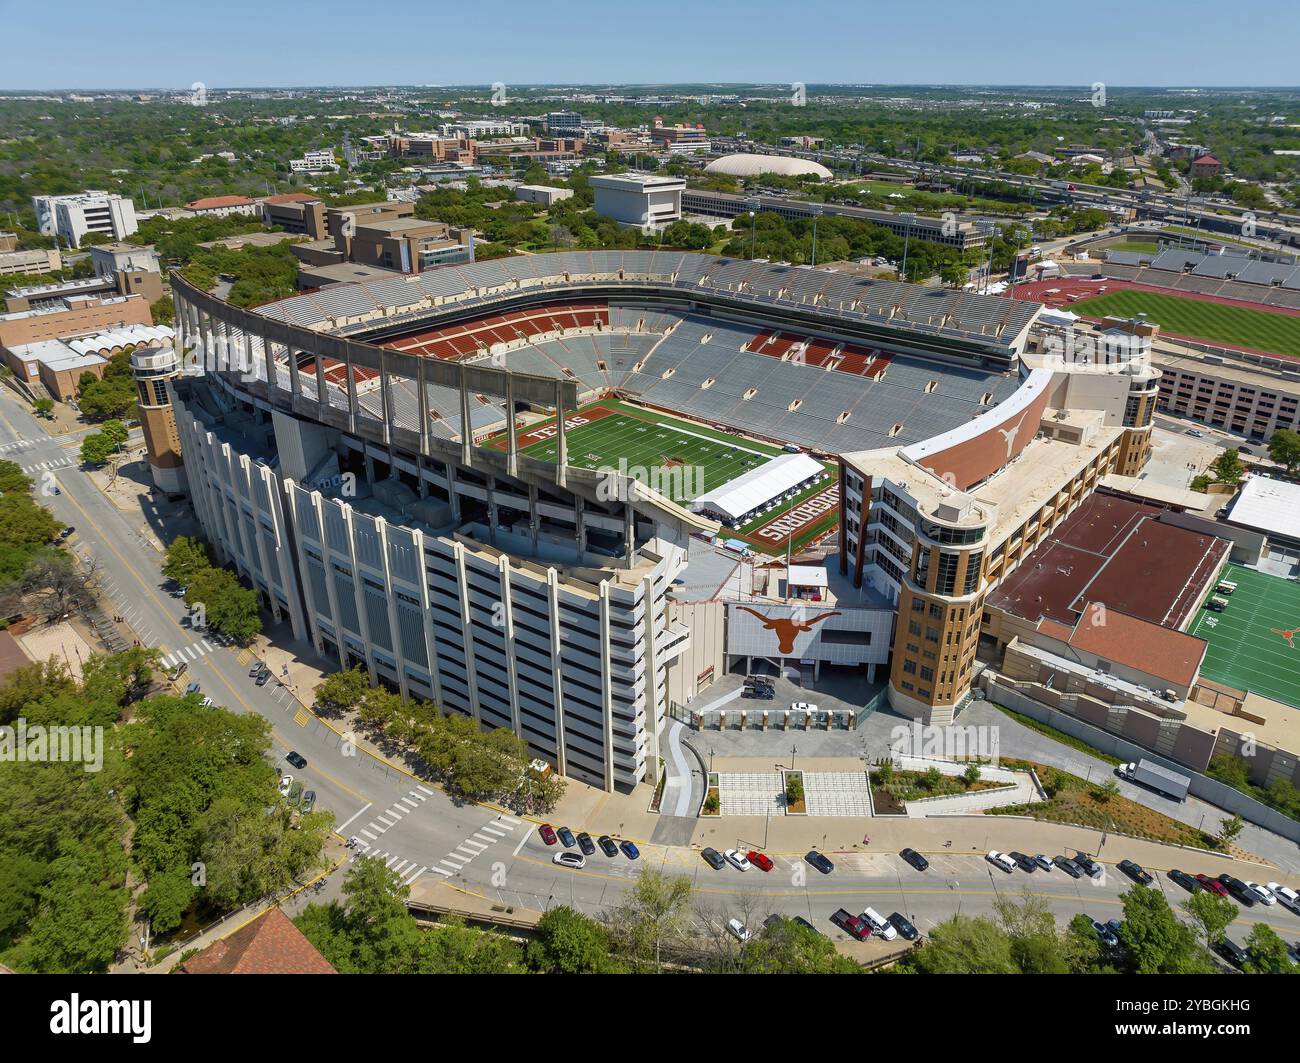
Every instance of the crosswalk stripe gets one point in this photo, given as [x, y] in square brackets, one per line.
[503, 818]
[476, 846]
[209, 646]
[413, 877]
[386, 822]
[459, 861]
[472, 852]
[409, 803]
[368, 835]
[425, 790]
[441, 870]
[418, 797]
[492, 828]
[395, 865]
[376, 828]
[486, 838]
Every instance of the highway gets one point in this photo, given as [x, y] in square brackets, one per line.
[427, 837]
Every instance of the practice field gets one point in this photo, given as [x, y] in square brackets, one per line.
[1198, 318]
[681, 460]
[1255, 642]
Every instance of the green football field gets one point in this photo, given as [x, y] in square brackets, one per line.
[680, 459]
[1237, 325]
[1246, 648]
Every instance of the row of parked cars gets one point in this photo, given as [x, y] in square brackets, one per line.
[582, 841]
[871, 922]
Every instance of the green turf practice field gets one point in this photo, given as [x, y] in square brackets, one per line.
[1248, 645]
[1236, 325]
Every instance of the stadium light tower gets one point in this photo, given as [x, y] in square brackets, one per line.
[753, 226]
[907, 239]
[816, 213]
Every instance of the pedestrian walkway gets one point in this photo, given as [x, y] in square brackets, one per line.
[52, 463]
[192, 652]
[367, 840]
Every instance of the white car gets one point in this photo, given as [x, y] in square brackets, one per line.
[738, 930]
[1265, 896]
[737, 859]
[286, 784]
[1285, 894]
[566, 859]
[1001, 860]
[880, 926]
[802, 706]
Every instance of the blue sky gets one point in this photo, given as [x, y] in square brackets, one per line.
[273, 43]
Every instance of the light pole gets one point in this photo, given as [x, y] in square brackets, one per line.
[817, 213]
[753, 232]
[793, 750]
[907, 239]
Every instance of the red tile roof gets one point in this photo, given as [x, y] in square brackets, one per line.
[270, 944]
[1209, 160]
[213, 202]
[1140, 644]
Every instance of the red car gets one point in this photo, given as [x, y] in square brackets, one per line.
[853, 925]
[1212, 884]
[548, 833]
[760, 860]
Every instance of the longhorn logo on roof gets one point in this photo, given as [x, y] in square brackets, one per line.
[787, 628]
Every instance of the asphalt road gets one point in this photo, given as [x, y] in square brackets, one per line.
[422, 833]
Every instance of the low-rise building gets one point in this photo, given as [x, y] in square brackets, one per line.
[224, 206]
[31, 263]
[543, 194]
[72, 316]
[639, 199]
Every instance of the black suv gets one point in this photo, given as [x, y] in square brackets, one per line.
[1185, 880]
[1025, 863]
[1231, 951]
[1238, 889]
[903, 926]
[1136, 872]
[915, 859]
[585, 843]
[607, 845]
[820, 862]
[1087, 864]
[714, 859]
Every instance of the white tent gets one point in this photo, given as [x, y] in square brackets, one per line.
[759, 486]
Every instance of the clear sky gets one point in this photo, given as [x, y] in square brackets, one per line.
[153, 44]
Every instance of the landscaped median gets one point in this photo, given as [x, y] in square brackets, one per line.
[792, 784]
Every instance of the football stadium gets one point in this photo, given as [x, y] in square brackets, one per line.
[564, 493]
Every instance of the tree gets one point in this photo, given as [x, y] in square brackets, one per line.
[1211, 915]
[96, 449]
[1228, 468]
[971, 775]
[1155, 940]
[227, 605]
[656, 911]
[341, 692]
[185, 557]
[964, 944]
[1284, 448]
[1229, 829]
[53, 586]
[1268, 952]
[163, 311]
[1084, 951]
[43, 406]
[568, 942]
[371, 932]
[1030, 928]
[786, 947]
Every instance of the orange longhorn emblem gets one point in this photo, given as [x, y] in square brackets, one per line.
[786, 627]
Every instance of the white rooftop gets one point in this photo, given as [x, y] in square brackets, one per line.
[1270, 506]
[759, 486]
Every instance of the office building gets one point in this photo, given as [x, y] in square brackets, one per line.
[71, 217]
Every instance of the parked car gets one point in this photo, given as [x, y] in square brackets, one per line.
[737, 860]
[1232, 952]
[296, 759]
[738, 930]
[1090, 867]
[286, 784]
[915, 859]
[1263, 893]
[714, 859]
[547, 832]
[567, 859]
[802, 706]
[761, 693]
[853, 925]
[760, 860]
[585, 843]
[1286, 896]
[1042, 862]
[820, 862]
[566, 837]
[256, 669]
[1024, 862]
[1212, 885]
[308, 801]
[904, 927]
[607, 845]
[1001, 860]
[1185, 880]
[629, 849]
[1068, 866]
[1236, 888]
[804, 923]
[879, 924]
[262, 678]
[193, 688]
[1136, 872]
[1106, 934]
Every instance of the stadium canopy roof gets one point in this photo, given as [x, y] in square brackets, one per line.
[759, 486]
[747, 165]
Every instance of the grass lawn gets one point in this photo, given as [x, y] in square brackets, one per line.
[1073, 800]
[1247, 648]
[1238, 325]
